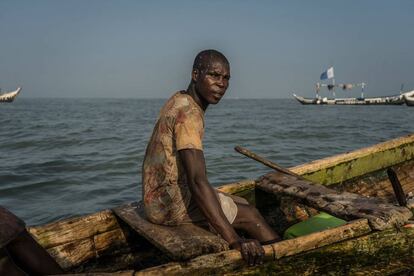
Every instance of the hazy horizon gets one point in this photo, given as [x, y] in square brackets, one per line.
[132, 49]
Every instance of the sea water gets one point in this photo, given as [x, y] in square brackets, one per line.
[66, 157]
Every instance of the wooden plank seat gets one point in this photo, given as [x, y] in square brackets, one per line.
[180, 242]
[345, 205]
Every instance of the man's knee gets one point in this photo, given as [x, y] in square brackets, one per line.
[254, 213]
[248, 214]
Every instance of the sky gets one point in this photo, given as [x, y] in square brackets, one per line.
[145, 49]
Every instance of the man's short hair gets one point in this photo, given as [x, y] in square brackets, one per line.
[204, 58]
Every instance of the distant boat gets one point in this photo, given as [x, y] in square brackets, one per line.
[409, 98]
[329, 74]
[391, 100]
[8, 97]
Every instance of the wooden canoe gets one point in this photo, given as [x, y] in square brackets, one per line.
[369, 244]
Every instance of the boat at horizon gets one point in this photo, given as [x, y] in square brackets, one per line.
[9, 97]
[382, 100]
[397, 99]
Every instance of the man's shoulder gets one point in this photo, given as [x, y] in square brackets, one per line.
[179, 102]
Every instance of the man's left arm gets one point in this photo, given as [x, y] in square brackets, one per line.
[204, 194]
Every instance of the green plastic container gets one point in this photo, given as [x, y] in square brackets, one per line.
[316, 223]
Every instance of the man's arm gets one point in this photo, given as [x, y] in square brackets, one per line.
[206, 199]
[204, 195]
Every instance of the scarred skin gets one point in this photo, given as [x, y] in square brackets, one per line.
[209, 82]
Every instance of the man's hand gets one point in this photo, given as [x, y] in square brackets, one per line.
[251, 251]
[206, 199]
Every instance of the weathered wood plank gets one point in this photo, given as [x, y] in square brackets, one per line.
[348, 206]
[73, 253]
[77, 252]
[77, 228]
[231, 260]
[178, 242]
[105, 243]
[345, 166]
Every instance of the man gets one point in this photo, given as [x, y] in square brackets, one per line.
[20, 254]
[175, 185]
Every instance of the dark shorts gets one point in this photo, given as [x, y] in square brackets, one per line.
[10, 226]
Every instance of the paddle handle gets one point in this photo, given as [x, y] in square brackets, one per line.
[264, 161]
[396, 186]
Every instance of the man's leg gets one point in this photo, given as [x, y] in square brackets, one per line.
[32, 257]
[250, 220]
[7, 267]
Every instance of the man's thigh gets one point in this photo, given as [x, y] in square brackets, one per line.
[237, 199]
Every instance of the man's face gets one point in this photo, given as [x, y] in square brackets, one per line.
[212, 82]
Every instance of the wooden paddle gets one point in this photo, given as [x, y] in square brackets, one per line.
[396, 186]
[264, 161]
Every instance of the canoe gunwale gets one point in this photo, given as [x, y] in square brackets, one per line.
[232, 259]
[358, 162]
[326, 165]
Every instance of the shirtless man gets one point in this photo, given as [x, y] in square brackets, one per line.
[20, 254]
[175, 185]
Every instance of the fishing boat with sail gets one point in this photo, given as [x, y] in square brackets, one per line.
[9, 97]
[329, 74]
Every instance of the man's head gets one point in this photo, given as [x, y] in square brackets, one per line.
[210, 76]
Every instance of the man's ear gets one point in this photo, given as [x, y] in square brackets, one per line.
[195, 74]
